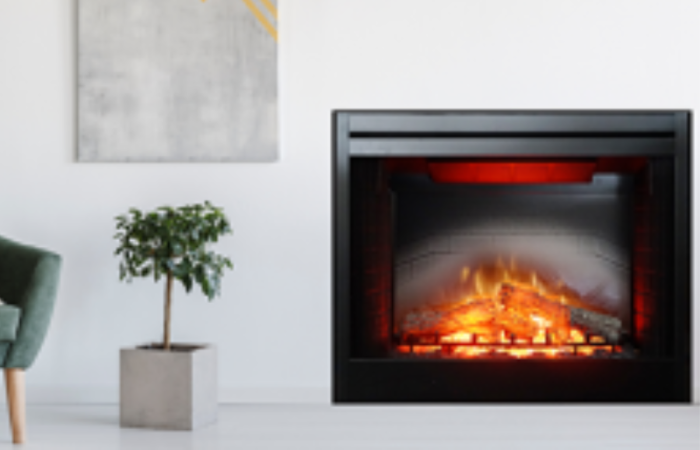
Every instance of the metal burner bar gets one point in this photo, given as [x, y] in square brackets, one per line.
[434, 340]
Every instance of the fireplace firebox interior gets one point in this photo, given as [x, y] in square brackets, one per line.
[511, 257]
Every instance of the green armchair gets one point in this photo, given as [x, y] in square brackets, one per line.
[28, 284]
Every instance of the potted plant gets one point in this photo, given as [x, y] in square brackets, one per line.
[167, 385]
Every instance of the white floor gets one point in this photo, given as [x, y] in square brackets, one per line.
[312, 427]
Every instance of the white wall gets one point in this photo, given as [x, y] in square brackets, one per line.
[273, 322]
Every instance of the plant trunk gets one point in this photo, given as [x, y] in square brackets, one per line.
[168, 299]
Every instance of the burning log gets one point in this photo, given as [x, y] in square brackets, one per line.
[607, 326]
[526, 312]
[475, 316]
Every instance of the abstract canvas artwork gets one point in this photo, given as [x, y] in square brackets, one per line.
[177, 81]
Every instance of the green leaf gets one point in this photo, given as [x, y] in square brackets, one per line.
[187, 282]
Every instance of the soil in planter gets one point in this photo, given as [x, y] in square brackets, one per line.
[182, 348]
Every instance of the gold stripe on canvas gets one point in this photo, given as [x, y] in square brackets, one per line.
[261, 17]
[270, 7]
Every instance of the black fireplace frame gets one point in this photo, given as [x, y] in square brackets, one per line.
[494, 134]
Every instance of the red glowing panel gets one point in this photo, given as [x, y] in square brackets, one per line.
[518, 172]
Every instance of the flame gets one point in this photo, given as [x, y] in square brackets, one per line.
[541, 337]
[577, 336]
[459, 337]
[488, 278]
[506, 311]
[541, 321]
[484, 340]
[505, 339]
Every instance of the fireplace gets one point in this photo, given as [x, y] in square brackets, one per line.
[512, 257]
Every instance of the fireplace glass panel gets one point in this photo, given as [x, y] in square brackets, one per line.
[512, 270]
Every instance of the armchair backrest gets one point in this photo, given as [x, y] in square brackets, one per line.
[29, 280]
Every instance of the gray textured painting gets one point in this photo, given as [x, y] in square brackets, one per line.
[177, 80]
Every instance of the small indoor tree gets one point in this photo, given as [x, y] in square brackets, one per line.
[171, 243]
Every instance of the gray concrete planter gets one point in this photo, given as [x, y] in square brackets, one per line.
[173, 390]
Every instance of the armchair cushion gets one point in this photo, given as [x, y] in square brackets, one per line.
[9, 321]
